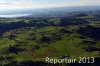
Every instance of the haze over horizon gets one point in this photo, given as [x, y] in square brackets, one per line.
[13, 8]
[6, 4]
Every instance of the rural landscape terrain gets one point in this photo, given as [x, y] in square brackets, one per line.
[27, 40]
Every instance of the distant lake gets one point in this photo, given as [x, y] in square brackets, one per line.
[14, 15]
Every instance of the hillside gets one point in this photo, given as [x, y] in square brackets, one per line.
[32, 39]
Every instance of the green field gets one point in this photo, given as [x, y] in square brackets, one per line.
[51, 38]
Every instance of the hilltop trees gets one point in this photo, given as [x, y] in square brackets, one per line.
[45, 39]
[32, 36]
[89, 31]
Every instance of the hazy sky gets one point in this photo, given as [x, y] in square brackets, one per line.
[46, 3]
